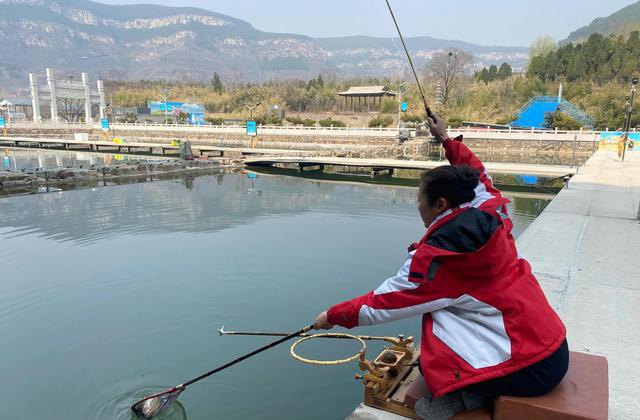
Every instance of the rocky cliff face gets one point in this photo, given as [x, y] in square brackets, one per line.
[156, 42]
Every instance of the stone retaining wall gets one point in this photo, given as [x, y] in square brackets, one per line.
[542, 150]
[12, 182]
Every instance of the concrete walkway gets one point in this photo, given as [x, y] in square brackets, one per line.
[585, 251]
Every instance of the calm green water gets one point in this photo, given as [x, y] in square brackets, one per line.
[108, 294]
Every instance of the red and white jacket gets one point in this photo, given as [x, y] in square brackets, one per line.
[484, 314]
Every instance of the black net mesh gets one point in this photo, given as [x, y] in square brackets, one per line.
[155, 405]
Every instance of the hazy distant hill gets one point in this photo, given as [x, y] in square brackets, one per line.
[364, 55]
[180, 43]
[623, 21]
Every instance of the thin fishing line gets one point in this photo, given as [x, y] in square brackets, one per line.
[413, 69]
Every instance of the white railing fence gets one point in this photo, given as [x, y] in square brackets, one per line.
[381, 132]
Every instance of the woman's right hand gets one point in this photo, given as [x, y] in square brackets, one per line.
[322, 322]
[438, 128]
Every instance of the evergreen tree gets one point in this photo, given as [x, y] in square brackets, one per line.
[600, 59]
[493, 73]
[483, 75]
[216, 83]
[505, 71]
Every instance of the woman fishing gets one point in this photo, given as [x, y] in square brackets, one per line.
[487, 328]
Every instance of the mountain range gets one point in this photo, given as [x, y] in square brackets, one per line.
[184, 43]
[621, 22]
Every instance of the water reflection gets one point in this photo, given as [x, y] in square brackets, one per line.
[203, 204]
[30, 160]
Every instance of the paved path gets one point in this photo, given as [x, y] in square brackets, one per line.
[493, 167]
[585, 251]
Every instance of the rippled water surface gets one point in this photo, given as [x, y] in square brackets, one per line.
[114, 293]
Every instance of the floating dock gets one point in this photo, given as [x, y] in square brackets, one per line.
[160, 149]
[388, 165]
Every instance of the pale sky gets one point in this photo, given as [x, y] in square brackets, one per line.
[486, 22]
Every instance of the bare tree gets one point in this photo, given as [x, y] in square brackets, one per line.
[446, 67]
[70, 109]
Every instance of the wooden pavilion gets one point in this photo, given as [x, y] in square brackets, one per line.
[363, 98]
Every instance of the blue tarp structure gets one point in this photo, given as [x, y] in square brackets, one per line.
[195, 111]
[532, 114]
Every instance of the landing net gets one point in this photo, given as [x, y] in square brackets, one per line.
[155, 404]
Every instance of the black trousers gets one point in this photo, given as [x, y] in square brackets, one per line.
[532, 381]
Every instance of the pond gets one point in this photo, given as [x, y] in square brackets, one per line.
[111, 293]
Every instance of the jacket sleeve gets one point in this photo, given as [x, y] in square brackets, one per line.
[459, 154]
[404, 295]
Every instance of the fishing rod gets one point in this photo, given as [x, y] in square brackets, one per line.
[413, 69]
[153, 405]
[222, 331]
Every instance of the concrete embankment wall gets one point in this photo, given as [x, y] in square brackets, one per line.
[546, 148]
[12, 182]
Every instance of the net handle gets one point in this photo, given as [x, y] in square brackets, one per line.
[181, 387]
[248, 355]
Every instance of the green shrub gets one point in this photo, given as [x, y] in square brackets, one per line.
[329, 122]
[410, 118]
[269, 119]
[506, 120]
[129, 117]
[381, 121]
[454, 122]
[560, 121]
[388, 106]
[307, 122]
[294, 120]
[183, 118]
[215, 120]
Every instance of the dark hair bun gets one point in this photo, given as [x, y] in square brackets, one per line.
[468, 176]
[454, 183]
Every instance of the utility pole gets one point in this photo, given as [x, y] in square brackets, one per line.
[89, 57]
[400, 105]
[634, 85]
[164, 96]
[251, 108]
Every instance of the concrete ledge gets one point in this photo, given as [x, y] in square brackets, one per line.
[584, 250]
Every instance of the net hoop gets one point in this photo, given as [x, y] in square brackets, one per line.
[362, 350]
